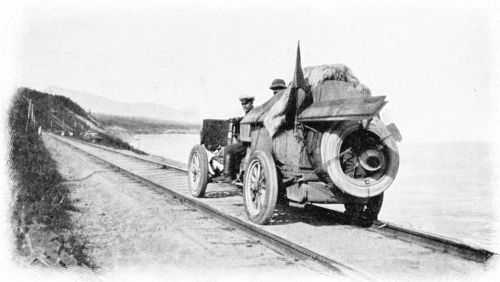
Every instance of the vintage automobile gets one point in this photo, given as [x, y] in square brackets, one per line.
[319, 141]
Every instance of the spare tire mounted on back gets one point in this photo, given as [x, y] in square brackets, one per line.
[362, 162]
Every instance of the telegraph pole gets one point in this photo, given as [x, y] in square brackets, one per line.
[29, 115]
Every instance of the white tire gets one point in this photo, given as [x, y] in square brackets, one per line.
[198, 171]
[374, 183]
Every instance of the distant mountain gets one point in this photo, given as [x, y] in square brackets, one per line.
[99, 104]
[141, 125]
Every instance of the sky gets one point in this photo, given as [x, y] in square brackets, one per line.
[436, 61]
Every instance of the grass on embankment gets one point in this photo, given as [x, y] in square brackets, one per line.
[117, 143]
[40, 212]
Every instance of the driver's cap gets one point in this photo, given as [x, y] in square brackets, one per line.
[246, 99]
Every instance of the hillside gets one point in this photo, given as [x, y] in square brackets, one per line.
[61, 115]
[99, 104]
[58, 112]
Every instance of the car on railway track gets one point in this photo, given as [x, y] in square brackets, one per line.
[319, 141]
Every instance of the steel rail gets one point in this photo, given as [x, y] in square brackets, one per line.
[433, 241]
[426, 239]
[273, 240]
[172, 164]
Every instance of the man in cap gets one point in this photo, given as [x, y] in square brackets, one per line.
[247, 103]
[277, 85]
[235, 152]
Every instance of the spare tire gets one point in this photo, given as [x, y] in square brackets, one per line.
[342, 151]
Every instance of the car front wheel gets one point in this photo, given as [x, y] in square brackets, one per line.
[198, 171]
[260, 188]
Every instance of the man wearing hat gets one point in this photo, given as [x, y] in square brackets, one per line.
[247, 103]
[277, 85]
[235, 152]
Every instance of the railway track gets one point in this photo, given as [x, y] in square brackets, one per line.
[315, 232]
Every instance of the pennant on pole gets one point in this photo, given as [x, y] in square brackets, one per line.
[298, 75]
[283, 112]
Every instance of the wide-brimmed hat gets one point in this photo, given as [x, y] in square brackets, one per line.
[278, 83]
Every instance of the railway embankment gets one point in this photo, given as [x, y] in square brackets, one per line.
[41, 206]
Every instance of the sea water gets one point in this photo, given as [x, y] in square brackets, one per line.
[449, 189]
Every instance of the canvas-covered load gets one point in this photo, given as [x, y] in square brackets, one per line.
[338, 100]
[328, 82]
[346, 85]
[335, 94]
[338, 95]
[334, 90]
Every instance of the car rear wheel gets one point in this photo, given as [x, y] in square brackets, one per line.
[198, 171]
[260, 188]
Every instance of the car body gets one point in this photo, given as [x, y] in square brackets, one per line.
[320, 142]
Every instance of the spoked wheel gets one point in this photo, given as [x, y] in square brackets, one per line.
[198, 171]
[260, 188]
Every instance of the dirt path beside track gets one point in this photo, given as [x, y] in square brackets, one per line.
[130, 226]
